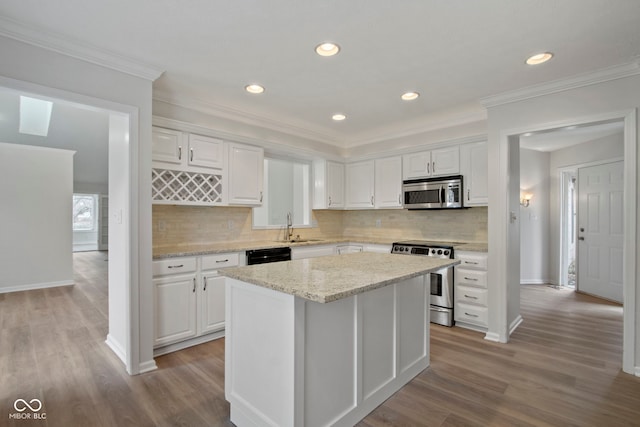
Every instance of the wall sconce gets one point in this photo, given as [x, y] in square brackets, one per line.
[525, 198]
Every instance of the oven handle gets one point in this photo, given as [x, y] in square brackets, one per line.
[440, 309]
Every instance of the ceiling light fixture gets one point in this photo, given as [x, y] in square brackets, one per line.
[327, 49]
[410, 96]
[539, 58]
[254, 88]
[338, 117]
[35, 115]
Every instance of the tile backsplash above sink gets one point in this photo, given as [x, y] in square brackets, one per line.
[174, 225]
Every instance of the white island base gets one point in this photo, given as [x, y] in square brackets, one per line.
[294, 362]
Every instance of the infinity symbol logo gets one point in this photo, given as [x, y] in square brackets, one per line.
[26, 405]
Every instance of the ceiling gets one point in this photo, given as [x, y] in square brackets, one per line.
[71, 127]
[452, 52]
[557, 139]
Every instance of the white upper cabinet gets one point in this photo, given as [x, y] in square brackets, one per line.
[205, 151]
[440, 162]
[246, 165]
[328, 185]
[388, 183]
[473, 166]
[167, 146]
[360, 185]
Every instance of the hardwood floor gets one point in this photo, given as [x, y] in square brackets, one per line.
[561, 368]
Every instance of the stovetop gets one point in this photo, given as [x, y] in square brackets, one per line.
[424, 248]
[426, 243]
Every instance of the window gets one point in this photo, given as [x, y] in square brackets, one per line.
[85, 212]
[286, 190]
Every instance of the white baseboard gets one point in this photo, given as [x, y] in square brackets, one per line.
[533, 282]
[32, 286]
[637, 371]
[514, 325]
[492, 336]
[116, 348]
[187, 343]
[148, 366]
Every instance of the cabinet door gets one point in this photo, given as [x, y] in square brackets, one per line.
[360, 181]
[445, 161]
[205, 151]
[388, 182]
[246, 165]
[211, 303]
[166, 146]
[175, 309]
[335, 185]
[473, 166]
[312, 251]
[416, 165]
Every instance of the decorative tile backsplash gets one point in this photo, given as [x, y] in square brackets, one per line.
[174, 225]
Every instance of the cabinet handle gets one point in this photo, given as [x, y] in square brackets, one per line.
[428, 166]
[329, 200]
[471, 315]
[222, 260]
[191, 154]
[470, 278]
[468, 195]
[179, 152]
[471, 262]
[176, 266]
[400, 198]
[433, 167]
[261, 197]
[470, 296]
[371, 200]
[194, 284]
[205, 285]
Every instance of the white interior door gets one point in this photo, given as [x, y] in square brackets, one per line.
[600, 230]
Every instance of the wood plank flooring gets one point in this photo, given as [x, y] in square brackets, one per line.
[561, 368]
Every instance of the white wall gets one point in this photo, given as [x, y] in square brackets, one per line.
[65, 77]
[580, 103]
[35, 217]
[606, 148]
[534, 220]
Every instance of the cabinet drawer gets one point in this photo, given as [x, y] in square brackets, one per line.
[471, 314]
[213, 262]
[471, 277]
[173, 266]
[478, 262]
[471, 295]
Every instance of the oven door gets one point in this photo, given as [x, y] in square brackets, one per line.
[442, 288]
[422, 195]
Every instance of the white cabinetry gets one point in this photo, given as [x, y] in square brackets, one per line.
[302, 252]
[177, 149]
[189, 300]
[246, 164]
[360, 185]
[348, 249]
[473, 166]
[328, 189]
[470, 291]
[388, 183]
[167, 146]
[443, 161]
[382, 249]
[205, 151]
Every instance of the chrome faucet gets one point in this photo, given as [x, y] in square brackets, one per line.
[289, 227]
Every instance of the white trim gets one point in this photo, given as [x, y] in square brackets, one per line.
[147, 366]
[637, 371]
[533, 282]
[514, 325]
[116, 347]
[76, 49]
[492, 336]
[37, 147]
[170, 348]
[32, 286]
[580, 80]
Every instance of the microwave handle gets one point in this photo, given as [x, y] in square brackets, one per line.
[441, 195]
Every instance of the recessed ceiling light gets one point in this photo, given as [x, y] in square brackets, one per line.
[539, 58]
[338, 117]
[410, 96]
[327, 49]
[254, 88]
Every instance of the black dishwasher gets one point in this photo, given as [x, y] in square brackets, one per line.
[263, 256]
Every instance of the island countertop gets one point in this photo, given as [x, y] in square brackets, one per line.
[330, 278]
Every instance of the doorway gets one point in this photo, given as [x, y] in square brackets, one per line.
[568, 227]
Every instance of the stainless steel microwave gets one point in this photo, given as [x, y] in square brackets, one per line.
[433, 193]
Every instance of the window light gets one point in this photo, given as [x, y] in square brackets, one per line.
[35, 115]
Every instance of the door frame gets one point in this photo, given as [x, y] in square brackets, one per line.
[502, 254]
[563, 272]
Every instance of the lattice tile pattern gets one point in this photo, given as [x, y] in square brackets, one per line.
[188, 187]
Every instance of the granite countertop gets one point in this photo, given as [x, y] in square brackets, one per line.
[182, 250]
[330, 278]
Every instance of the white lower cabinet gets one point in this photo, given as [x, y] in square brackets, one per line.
[470, 291]
[189, 300]
[348, 249]
[303, 252]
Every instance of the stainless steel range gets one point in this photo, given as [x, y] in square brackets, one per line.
[441, 280]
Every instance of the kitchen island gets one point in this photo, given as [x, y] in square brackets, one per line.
[324, 341]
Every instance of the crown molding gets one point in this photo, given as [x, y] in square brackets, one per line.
[76, 49]
[241, 116]
[548, 88]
